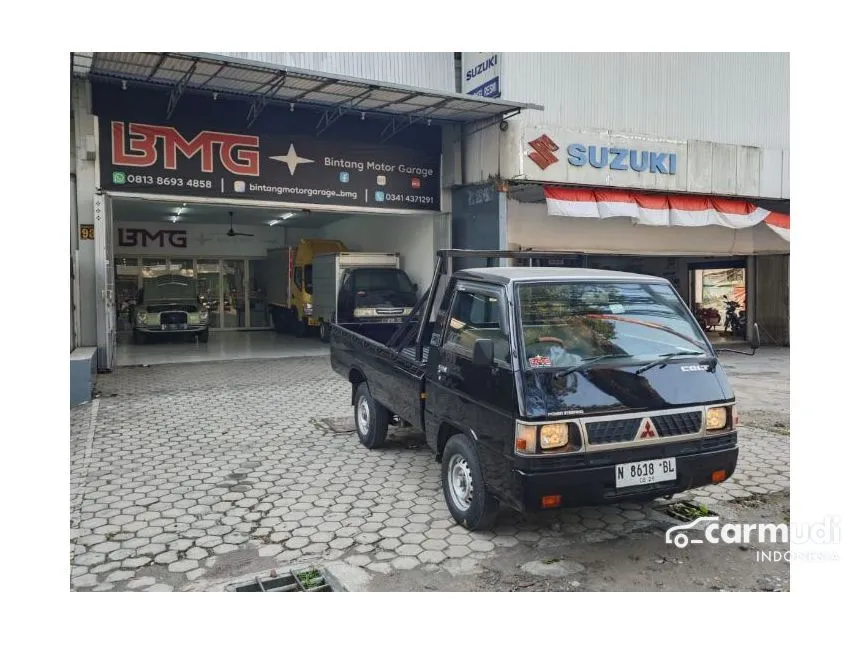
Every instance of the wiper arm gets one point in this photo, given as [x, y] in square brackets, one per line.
[664, 357]
[586, 363]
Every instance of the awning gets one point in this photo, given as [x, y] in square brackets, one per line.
[332, 94]
[663, 210]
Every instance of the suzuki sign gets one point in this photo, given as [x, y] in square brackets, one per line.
[482, 74]
[602, 159]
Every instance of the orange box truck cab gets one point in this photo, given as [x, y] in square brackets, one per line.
[290, 290]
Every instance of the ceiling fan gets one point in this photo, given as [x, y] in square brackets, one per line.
[232, 233]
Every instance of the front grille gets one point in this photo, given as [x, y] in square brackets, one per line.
[174, 318]
[676, 425]
[613, 431]
[389, 312]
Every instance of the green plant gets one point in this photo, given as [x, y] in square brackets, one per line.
[310, 578]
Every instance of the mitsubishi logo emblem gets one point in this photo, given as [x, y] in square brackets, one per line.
[647, 431]
[543, 155]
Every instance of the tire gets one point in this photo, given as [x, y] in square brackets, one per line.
[325, 331]
[469, 502]
[371, 419]
[203, 336]
[139, 338]
[279, 321]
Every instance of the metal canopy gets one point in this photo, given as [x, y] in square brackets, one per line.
[263, 83]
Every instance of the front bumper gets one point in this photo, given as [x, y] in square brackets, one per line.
[594, 484]
[156, 329]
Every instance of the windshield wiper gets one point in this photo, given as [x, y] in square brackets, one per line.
[587, 362]
[664, 359]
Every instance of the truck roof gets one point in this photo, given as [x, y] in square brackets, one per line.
[507, 275]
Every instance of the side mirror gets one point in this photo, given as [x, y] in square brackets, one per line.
[482, 354]
[755, 341]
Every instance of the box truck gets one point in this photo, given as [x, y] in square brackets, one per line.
[360, 287]
[290, 284]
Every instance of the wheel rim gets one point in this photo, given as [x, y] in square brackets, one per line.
[460, 482]
[363, 416]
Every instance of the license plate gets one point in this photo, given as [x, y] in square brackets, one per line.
[391, 320]
[645, 472]
[168, 327]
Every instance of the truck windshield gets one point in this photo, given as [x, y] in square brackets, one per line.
[382, 280]
[567, 323]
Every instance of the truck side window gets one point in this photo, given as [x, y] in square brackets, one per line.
[474, 316]
[298, 273]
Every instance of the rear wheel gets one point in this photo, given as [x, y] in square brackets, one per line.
[325, 331]
[469, 502]
[371, 419]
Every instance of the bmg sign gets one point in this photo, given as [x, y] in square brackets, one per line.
[142, 238]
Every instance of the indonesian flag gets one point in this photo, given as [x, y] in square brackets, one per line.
[662, 210]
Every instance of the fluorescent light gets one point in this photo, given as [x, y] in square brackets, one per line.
[287, 215]
[274, 221]
[174, 218]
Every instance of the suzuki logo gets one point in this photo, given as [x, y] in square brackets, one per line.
[543, 148]
[647, 431]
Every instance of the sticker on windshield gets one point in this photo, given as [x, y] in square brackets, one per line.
[616, 308]
[540, 361]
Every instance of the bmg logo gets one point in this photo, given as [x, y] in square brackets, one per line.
[543, 156]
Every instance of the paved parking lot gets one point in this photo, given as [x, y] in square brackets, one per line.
[189, 476]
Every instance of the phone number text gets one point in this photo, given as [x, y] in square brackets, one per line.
[409, 199]
[149, 180]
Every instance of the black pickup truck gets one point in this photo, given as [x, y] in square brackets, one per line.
[546, 387]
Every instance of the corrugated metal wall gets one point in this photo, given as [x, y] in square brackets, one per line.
[428, 70]
[738, 98]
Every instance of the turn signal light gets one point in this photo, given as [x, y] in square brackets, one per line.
[550, 501]
[718, 476]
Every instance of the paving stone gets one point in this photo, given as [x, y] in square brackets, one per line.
[118, 576]
[405, 563]
[380, 567]
[431, 557]
[86, 580]
[167, 557]
[160, 587]
[182, 566]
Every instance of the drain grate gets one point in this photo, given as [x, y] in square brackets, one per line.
[311, 579]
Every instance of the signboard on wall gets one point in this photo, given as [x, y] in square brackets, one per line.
[482, 72]
[207, 150]
[601, 158]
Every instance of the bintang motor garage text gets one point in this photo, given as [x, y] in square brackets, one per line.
[377, 166]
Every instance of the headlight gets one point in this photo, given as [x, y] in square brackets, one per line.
[141, 316]
[549, 436]
[308, 309]
[716, 418]
[553, 435]
[204, 316]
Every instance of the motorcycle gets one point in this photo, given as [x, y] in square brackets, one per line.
[708, 317]
[735, 325]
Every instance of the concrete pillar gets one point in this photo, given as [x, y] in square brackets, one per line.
[84, 186]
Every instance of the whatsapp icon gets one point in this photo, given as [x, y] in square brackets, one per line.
[119, 177]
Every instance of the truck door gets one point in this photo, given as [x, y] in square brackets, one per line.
[473, 398]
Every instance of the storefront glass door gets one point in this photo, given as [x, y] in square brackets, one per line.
[233, 290]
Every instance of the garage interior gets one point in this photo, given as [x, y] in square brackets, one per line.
[230, 270]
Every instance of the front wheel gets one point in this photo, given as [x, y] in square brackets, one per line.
[371, 419]
[325, 331]
[468, 499]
